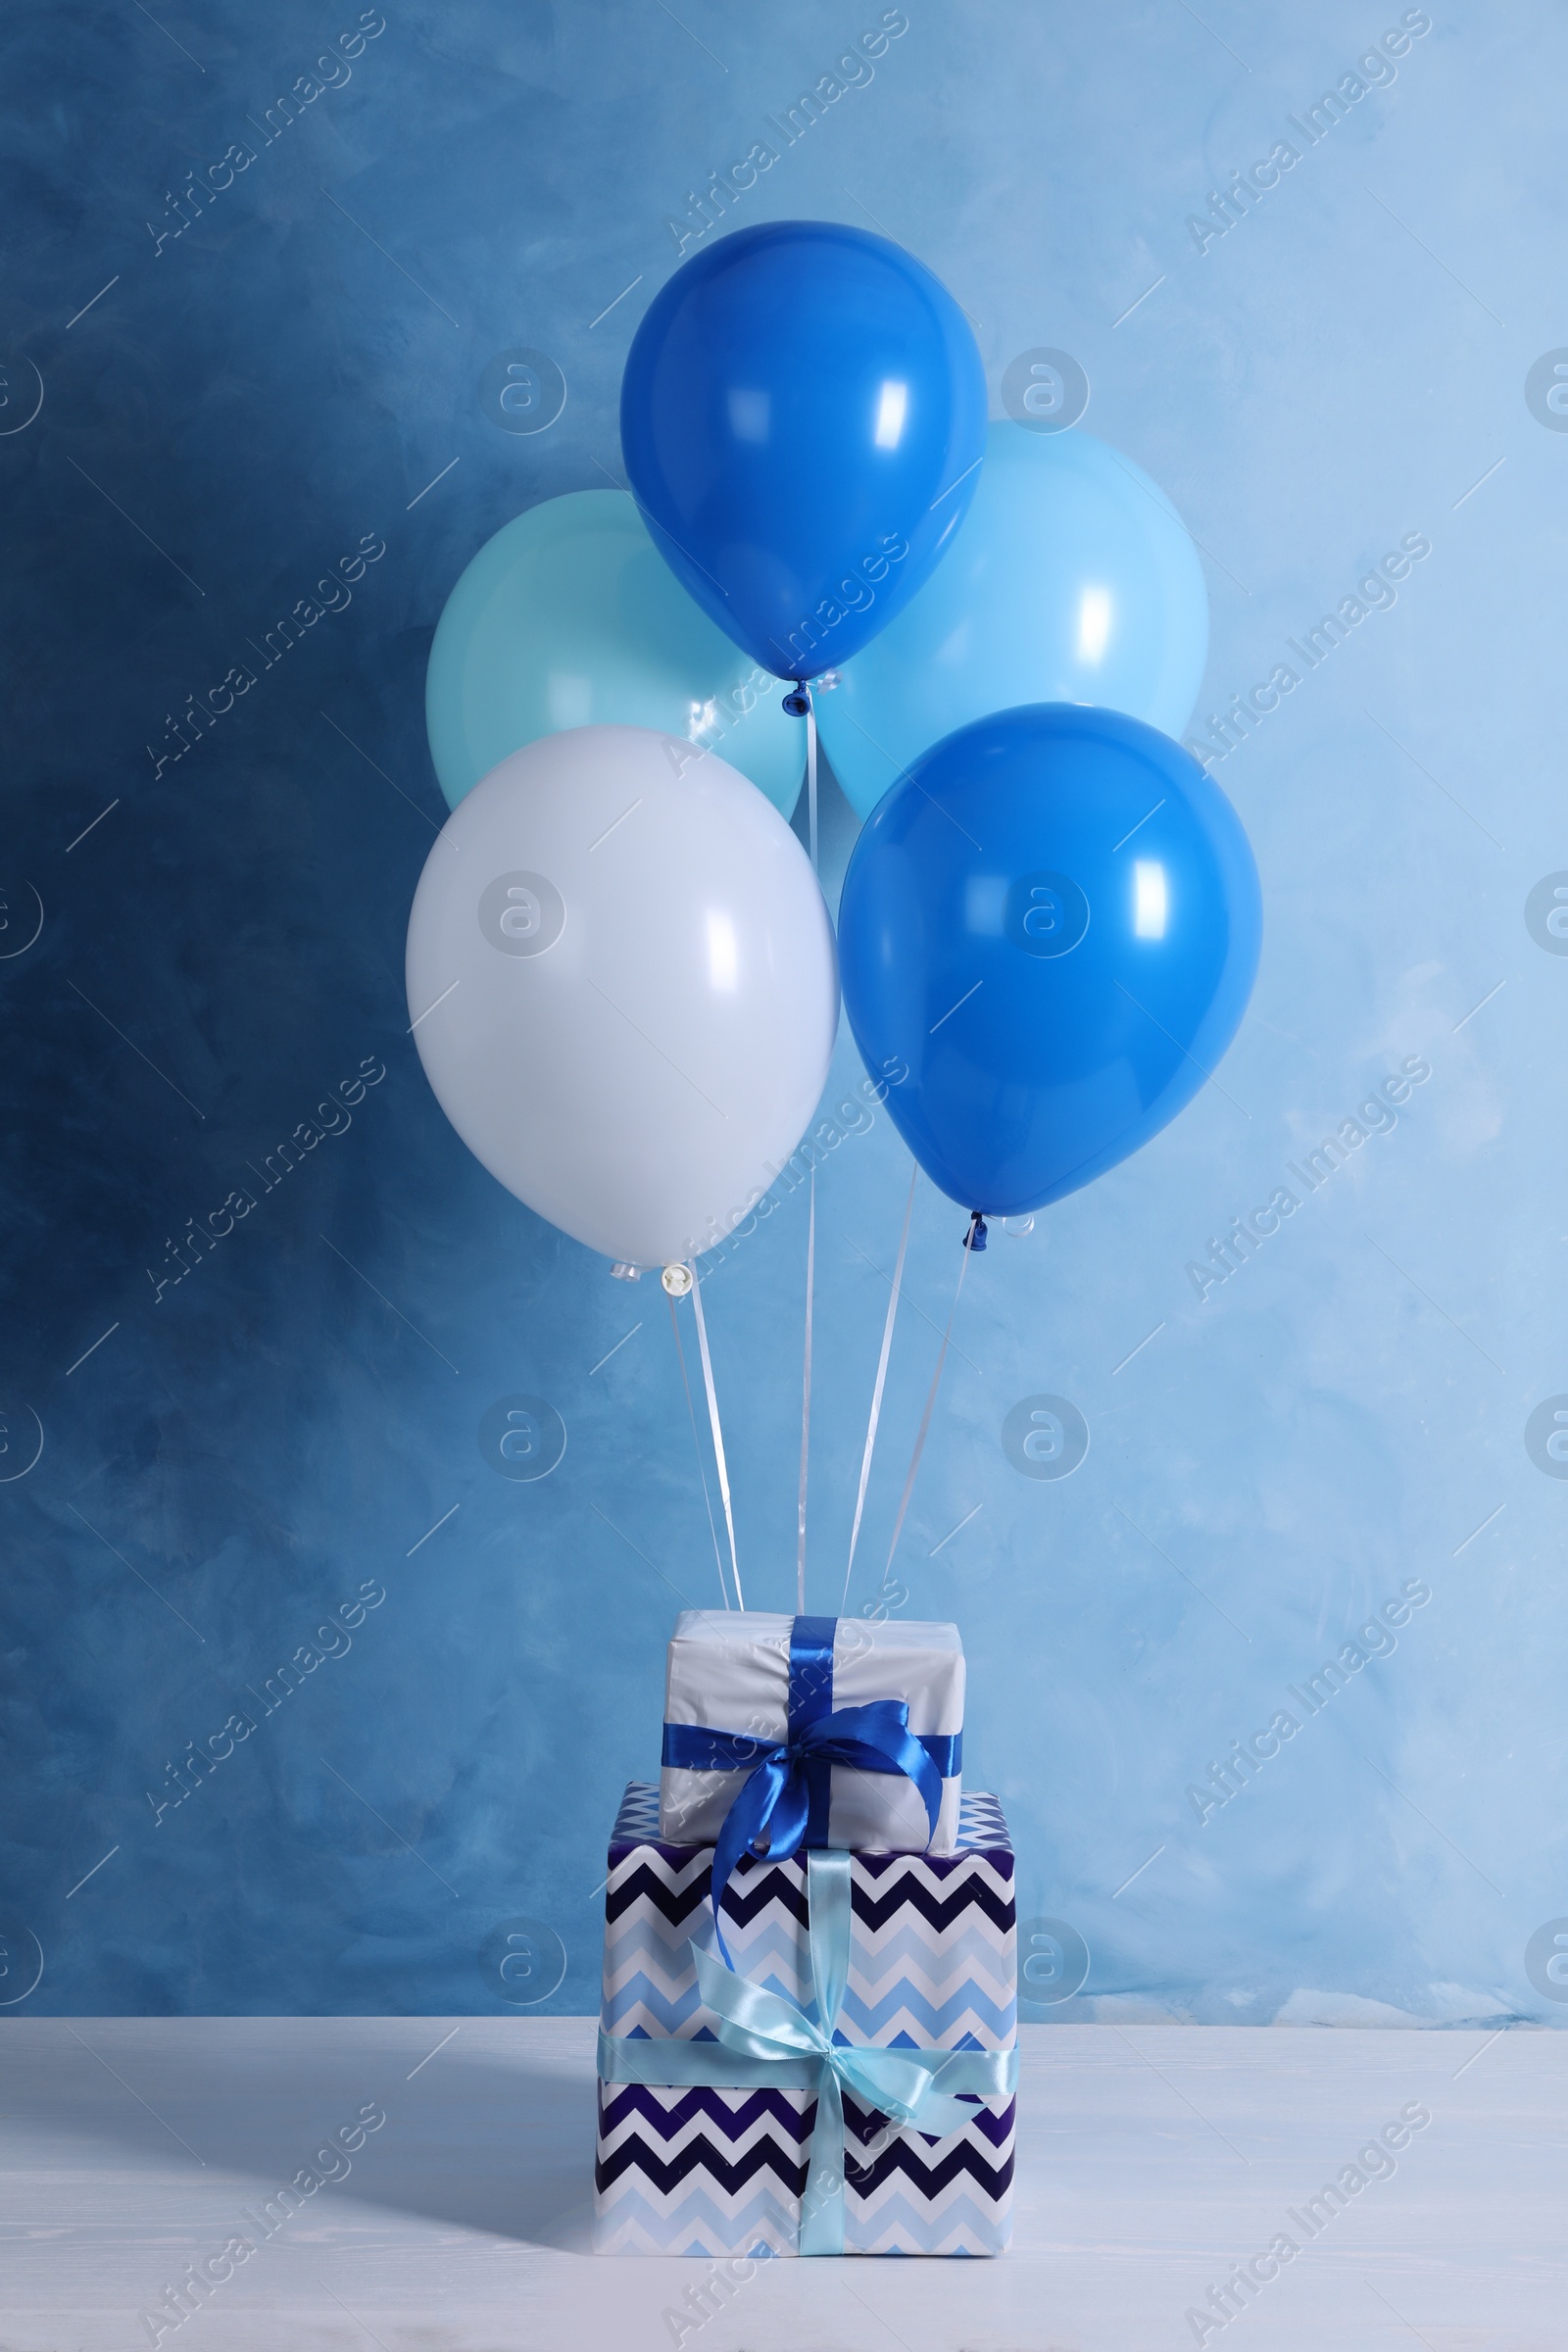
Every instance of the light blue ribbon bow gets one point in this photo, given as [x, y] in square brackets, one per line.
[768, 2041]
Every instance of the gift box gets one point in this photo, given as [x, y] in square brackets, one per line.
[822, 1694]
[735, 2120]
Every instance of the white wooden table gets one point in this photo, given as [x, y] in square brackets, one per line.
[1154, 2160]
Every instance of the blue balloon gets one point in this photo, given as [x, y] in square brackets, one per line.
[569, 617]
[803, 418]
[1051, 924]
[1073, 581]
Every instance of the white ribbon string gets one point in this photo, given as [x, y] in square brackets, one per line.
[697, 1449]
[876, 1393]
[810, 1229]
[805, 1403]
[718, 1433]
[811, 773]
[926, 1417]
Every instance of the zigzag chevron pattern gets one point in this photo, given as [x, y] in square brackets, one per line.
[932, 1965]
[932, 1957]
[718, 2172]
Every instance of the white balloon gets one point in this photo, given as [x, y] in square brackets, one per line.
[623, 987]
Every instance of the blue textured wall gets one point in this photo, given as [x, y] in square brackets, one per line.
[232, 1452]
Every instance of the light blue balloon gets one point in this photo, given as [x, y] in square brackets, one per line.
[570, 617]
[1070, 580]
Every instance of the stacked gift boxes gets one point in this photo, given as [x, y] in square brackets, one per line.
[716, 2142]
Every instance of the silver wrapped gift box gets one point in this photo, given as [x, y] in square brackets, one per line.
[742, 1684]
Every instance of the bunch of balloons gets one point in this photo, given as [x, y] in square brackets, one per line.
[622, 974]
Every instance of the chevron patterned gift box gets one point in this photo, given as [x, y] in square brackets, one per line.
[715, 2161]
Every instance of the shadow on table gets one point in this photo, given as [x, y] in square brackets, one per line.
[496, 2136]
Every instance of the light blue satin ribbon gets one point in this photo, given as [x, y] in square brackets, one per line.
[766, 2042]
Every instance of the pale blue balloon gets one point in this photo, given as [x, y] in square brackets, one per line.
[1071, 580]
[570, 617]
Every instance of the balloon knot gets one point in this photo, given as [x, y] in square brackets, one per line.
[975, 1238]
[797, 702]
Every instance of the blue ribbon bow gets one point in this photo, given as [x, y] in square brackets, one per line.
[768, 2041]
[776, 1799]
[786, 1795]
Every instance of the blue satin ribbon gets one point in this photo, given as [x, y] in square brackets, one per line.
[693, 1747]
[811, 1702]
[786, 1793]
[768, 2041]
[778, 1795]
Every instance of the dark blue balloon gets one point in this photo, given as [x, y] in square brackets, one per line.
[1053, 921]
[803, 418]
